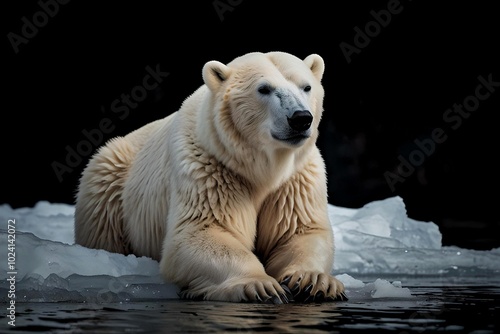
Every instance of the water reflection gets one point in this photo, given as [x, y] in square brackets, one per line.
[261, 318]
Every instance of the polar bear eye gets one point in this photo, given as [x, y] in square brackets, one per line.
[307, 88]
[264, 90]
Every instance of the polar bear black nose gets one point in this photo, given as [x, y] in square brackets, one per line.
[301, 120]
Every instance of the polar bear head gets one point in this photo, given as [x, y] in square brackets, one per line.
[270, 100]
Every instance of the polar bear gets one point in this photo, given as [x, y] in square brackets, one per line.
[229, 192]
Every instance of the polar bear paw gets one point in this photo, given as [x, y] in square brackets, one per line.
[262, 289]
[265, 291]
[313, 286]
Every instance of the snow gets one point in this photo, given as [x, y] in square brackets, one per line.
[377, 241]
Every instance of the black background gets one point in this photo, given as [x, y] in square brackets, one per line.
[394, 91]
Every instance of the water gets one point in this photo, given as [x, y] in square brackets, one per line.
[452, 305]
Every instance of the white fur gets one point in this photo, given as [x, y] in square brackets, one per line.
[216, 191]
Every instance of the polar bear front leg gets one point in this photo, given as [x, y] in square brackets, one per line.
[295, 238]
[208, 263]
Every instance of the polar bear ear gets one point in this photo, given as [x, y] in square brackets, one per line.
[316, 64]
[214, 74]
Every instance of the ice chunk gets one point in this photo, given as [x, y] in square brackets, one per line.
[381, 223]
[383, 289]
[378, 289]
[45, 220]
[380, 239]
[54, 281]
[447, 261]
[44, 257]
[350, 282]
[92, 289]
[48, 271]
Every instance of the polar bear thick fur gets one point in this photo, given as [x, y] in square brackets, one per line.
[228, 193]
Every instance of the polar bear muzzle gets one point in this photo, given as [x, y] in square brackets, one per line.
[298, 130]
